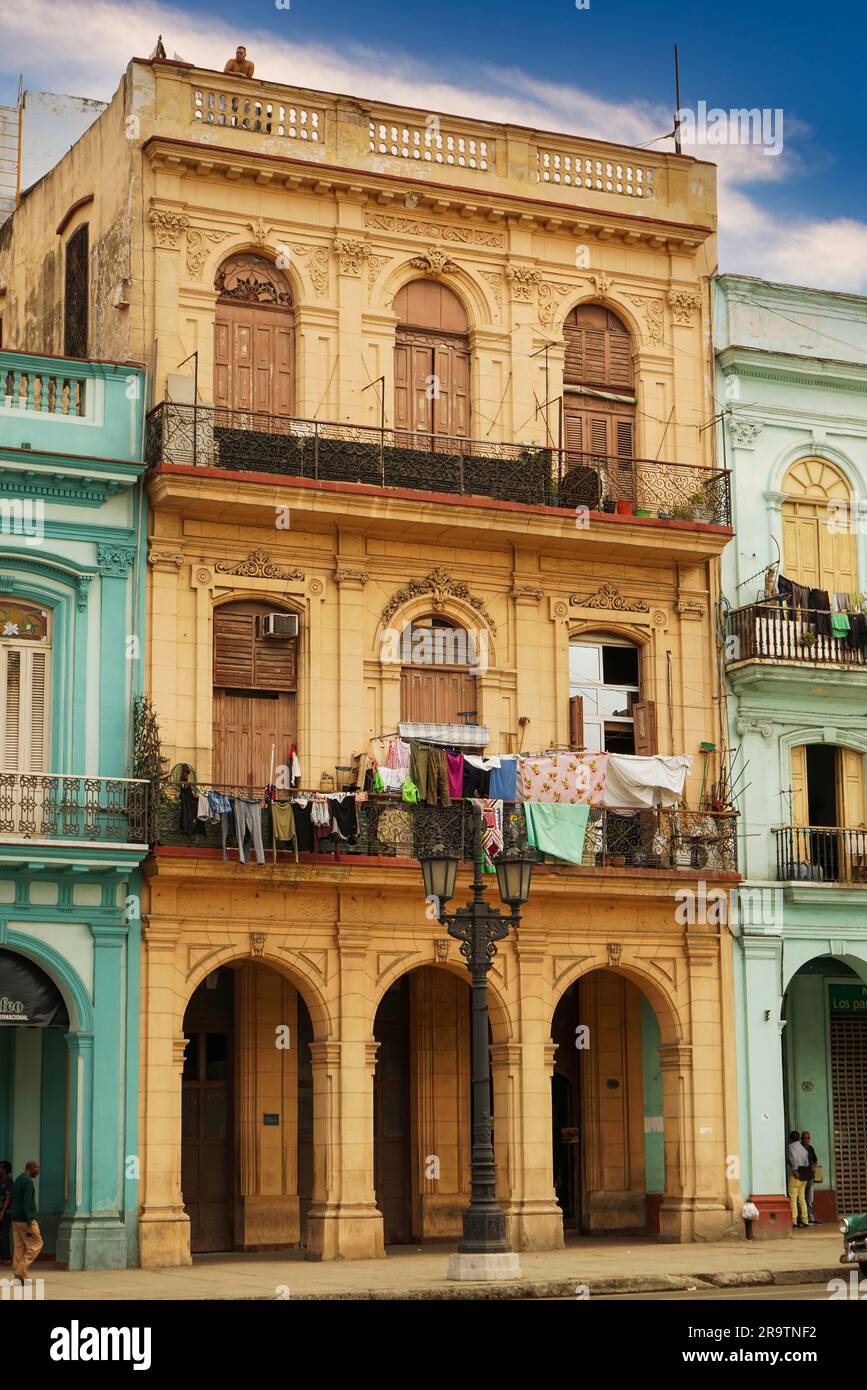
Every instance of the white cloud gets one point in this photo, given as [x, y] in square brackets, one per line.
[35, 39]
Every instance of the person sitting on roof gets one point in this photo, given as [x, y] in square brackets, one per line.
[239, 64]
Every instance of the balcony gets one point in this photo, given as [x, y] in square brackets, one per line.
[62, 809]
[247, 442]
[821, 854]
[64, 405]
[773, 632]
[657, 840]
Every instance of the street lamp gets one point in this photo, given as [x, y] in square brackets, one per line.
[484, 1251]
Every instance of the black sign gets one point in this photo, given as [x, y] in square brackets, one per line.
[28, 997]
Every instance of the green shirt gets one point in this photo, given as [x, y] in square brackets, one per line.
[24, 1199]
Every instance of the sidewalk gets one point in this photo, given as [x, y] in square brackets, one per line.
[603, 1264]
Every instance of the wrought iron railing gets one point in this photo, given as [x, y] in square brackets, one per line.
[250, 441]
[774, 632]
[67, 807]
[656, 839]
[821, 854]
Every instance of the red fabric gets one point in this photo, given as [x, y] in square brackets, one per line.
[455, 765]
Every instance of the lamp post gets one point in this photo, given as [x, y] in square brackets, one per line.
[484, 1251]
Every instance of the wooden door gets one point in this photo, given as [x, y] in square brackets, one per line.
[253, 358]
[207, 1118]
[255, 681]
[391, 1115]
[437, 695]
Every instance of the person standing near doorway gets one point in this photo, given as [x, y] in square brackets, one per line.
[811, 1181]
[26, 1236]
[6, 1187]
[798, 1161]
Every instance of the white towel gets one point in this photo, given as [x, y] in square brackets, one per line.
[638, 782]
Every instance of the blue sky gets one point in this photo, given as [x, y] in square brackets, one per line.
[606, 71]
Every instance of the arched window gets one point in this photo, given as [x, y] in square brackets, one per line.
[24, 676]
[76, 294]
[431, 362]
[255, 684]
[816, 554]
[599, 403]
[606, 711]
[439, 661]
[253, 338]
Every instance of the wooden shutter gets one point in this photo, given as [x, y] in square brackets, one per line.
[800, 813]
[644, 725]
[624, 438]
[576, 721]
[850, 788]
[25, 709]
[598, 349]
[274, 663]
[234, 645]
[572, 430]
[435, 696]
[402, 387]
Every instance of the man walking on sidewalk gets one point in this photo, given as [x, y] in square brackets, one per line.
[26, 1237]
[799, 1171]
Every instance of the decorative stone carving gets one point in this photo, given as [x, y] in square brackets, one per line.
[198, 241]
[167, 558]
[494, 279]
[549, 296]
[253, 280]
[522, 278]
[374, 266]
[257, 943]
[351, 254]
[527, 591]
[167, 225]
[682, 304]
[690, 608]
[257, 566]
[316, 588]
[468, 236]
[115, 561]
[653, 315]
[746, 725]
[261, 231]
[441, 949]
[601, 283]
[744, 433]
[434, 262]
[351, 576]
[317, 266]
[82, 589]
[609, 596]
[442, 586]
[615, 951]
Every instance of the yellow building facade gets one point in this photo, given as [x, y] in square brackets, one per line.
[409, 372]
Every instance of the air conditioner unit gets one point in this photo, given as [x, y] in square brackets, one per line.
[280, 625]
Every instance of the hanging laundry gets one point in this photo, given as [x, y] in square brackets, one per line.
[572, 778]
[344, 818]
[302, 815]
[283, 820]
[188, 820]
[491, 810]
[437, 789]
[389, 779]
[820, 601]
[320, 817]
[398, 753]
[248, 818]
[486, 764]
[418, 756]
[840, 625]
[504, 779]
[557, 828]
[476, 779]
[203, 810]
[455, 767]
[639, 782]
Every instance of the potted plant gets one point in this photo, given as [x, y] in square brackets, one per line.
[643, 511]
[808, 639]
[608, 504]
[623, 506]
[699, 506]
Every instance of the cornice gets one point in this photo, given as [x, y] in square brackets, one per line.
[794, 368]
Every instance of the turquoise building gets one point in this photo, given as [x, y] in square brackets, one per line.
[72, 819]
[792, 390]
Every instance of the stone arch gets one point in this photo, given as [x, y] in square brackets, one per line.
[658, 992]
[580, 299]
[795, 454]
[264, 254]
[797, 954]
[814, 478]
[309, 990]
[456, 610]
[502, 1029]
[477, 303]
[67, 980]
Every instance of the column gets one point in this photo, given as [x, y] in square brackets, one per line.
[71, 1239]
[115, 563]
[764, 1177]
[352, 632]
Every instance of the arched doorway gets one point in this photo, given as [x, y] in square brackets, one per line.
[607, 1142]
[599, 406]
[246, 1111]
[36, 1120]
[422, 1106]
[437, 679]
[825, 1078]
[431, 363]
[818, 556]
[825, 838]
[255, 688]
[253, 338]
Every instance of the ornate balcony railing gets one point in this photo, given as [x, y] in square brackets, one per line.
[821, 854]
[773, 632]
[249, 441]
[657, 839]
[58, 807]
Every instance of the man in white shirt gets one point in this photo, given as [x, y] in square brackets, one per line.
[799, 1171]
